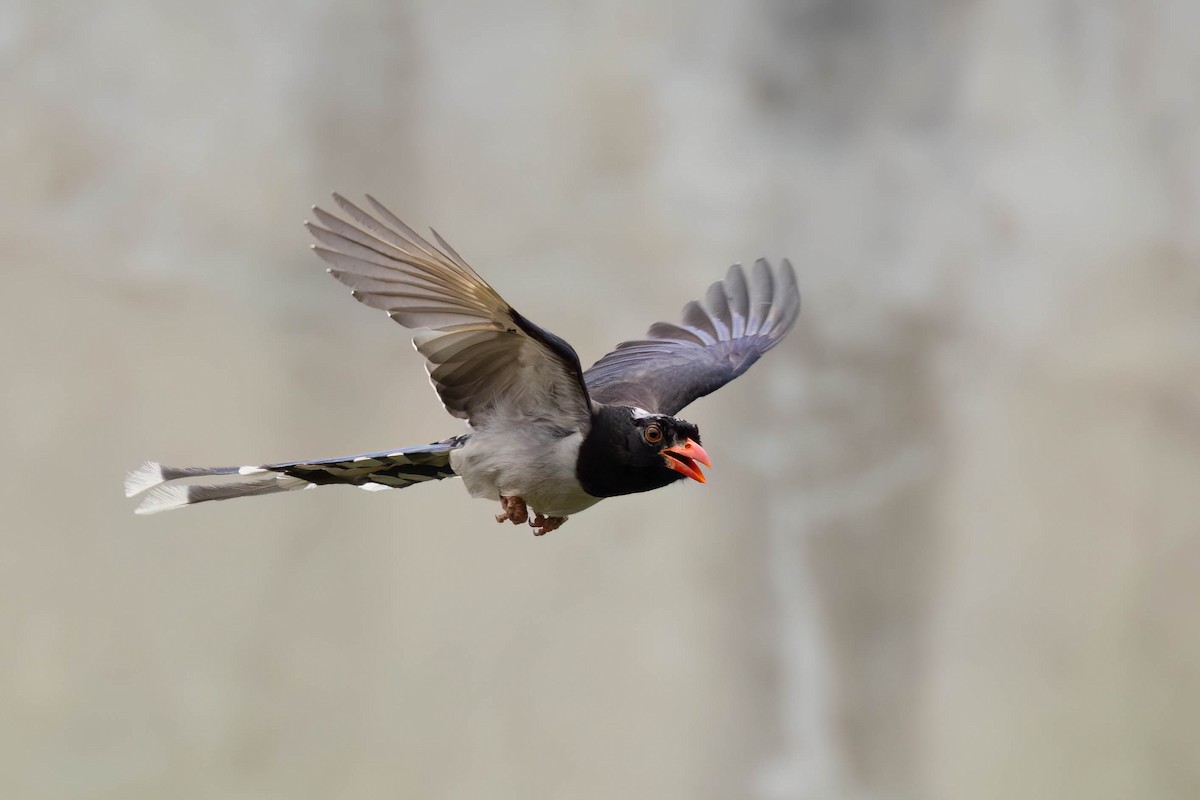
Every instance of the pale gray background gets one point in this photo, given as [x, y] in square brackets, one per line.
[949, 548]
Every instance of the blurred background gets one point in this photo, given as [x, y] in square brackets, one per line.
[951, 544]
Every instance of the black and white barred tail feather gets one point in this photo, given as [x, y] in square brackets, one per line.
[387, 469]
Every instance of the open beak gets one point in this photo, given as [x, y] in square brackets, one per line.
[683, 459]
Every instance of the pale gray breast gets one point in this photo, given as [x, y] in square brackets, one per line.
[531, 458]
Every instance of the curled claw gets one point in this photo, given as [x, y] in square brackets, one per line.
[543, 525]
[515, 510]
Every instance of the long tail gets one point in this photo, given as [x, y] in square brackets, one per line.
[393, 469]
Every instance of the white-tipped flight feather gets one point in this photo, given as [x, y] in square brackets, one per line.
[147, 476]
[164, 498]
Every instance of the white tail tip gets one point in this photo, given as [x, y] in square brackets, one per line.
[164, 498]
[147, 476]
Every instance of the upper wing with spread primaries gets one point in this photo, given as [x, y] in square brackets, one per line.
[739, 319]
[480, 353]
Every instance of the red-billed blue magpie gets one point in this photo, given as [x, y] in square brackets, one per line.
[545, 438]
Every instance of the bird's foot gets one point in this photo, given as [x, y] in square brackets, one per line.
[515, 510]
[543, 525]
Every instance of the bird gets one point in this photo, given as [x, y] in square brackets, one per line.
[545, 438]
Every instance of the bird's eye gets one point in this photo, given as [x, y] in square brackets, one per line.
[652, 434]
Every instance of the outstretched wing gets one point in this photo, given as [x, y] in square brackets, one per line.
[739, 319]
[480, 353]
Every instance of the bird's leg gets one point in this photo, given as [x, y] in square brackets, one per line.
[515, 510]
[543, 525]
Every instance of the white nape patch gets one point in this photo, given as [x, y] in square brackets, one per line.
[250, 470]
[641, 413]
[362, 458]
[374, 487]
[164, 498]
[147, 476]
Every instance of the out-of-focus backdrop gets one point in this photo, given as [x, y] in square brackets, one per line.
[950, 547]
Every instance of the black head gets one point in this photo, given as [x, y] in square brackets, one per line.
[630, 450]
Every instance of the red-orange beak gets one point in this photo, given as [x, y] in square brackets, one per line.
[683, 459]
